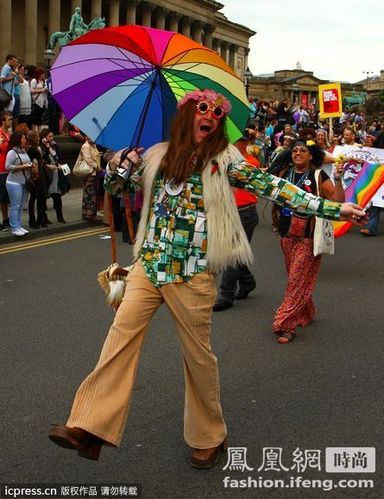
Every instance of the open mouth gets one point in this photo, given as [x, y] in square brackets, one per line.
[205, 128]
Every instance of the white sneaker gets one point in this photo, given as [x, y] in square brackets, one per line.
[18, 232]
[24, 230]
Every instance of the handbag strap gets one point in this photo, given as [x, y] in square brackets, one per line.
[37, 95]
[319, 187]
[18, 155]
[319, 183]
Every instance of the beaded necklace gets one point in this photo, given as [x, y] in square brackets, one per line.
[301, 180]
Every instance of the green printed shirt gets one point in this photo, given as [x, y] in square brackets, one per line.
[175, 244]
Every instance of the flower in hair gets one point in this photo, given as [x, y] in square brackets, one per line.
[310, 143]
[207, 95]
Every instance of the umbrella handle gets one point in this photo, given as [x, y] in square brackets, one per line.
[112, 229]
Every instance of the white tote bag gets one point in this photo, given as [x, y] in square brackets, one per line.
[323, 236]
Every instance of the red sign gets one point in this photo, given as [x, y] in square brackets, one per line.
[331, 100]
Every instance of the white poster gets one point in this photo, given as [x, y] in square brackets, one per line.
[358, 156]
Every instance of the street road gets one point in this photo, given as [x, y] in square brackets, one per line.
[325, 389]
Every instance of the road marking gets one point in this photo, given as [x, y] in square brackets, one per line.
[52, 240]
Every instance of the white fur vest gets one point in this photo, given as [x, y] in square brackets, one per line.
[227, 242]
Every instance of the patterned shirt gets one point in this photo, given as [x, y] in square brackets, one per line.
[175, 244]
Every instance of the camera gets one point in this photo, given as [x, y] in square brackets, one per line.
[123, 173]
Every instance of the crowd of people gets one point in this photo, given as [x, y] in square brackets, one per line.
[277, 121]
[29, 93]
[30, 158]
[279, 124]
[30, 170]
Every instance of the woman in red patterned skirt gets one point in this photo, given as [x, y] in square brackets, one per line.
[296, 231]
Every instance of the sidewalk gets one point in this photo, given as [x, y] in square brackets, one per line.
[71, 213]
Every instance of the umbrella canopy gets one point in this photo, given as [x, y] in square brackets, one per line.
[121, 85]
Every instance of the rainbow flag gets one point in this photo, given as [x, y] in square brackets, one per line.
[362, 189]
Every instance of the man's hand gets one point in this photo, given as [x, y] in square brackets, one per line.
[350, 212]
[133, 157]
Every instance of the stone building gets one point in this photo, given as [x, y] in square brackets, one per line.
[373, 85]
[296, 85]
[26, 25]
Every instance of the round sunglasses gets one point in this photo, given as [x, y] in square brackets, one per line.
[203, 107]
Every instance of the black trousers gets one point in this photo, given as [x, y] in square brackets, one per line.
[40, 198]
[58, 205]
[240, 276]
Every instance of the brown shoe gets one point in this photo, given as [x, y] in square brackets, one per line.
[85, 443]
[366, 232]
[206, 458]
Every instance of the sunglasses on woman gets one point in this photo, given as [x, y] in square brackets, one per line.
[203, 107]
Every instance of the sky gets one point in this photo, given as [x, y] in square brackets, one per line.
[338, 40]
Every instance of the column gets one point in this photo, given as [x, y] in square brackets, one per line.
[216, 45]
[174, 22]
[131, 12]
[186, 26]
[225, 51]
[232, 55]
[74, 4]
[54, 17]
[197, 31]
[208, 35]
[146, 14]
[160, 15]
[5, 29]
[30, 33]
[96, 9]
[114, 7]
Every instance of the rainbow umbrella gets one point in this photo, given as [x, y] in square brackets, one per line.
[121, 85]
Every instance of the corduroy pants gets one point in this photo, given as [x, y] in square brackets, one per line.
[102, 402]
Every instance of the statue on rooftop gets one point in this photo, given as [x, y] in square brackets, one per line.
[77, 27]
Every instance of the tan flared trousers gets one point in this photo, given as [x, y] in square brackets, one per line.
[102, 402]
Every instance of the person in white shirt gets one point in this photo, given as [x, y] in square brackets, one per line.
[25, 97]
[39, 93]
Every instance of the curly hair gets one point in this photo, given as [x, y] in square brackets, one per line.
[177, 160]
[15, 139]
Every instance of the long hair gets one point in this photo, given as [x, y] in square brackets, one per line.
[176, 163]
[33, 138]
[39, 72]
[326, 139]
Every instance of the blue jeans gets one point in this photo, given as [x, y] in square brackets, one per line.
[374, 217]
[17, 193]
[240, 275]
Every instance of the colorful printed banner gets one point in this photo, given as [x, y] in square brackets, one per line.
[330, 100]
[362, 178]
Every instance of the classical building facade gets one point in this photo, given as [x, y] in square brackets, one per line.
[26, 25]
[373, 85]
[296, 85]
